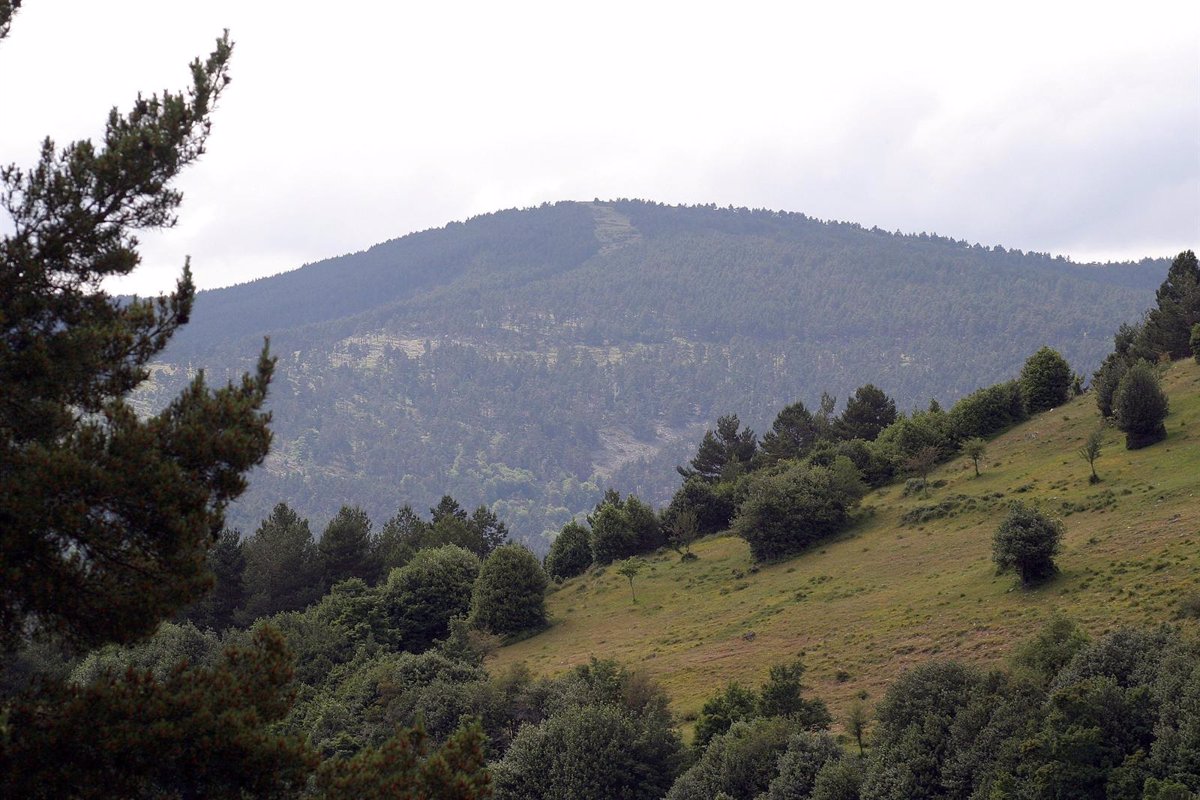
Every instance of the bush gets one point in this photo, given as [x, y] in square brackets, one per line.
[721, 711]
[1106, 380]
[570, 552]
[1140, 407]
[1027, 542]
[510, 593]
[787, 512]
[806, 756]
[1045, 380]
[613, 537]
[740, 763]
[1195, 342]
[420, 598]
[988, 411]
[713, 509]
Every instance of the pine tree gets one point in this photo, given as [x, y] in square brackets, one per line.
[729, 447]
[102, 509]
[793, 434]
[283, 567]
[345, 547]
[1169, 325]
[1140, 407]
[868, 411]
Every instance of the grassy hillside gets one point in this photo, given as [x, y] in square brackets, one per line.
[887, 593]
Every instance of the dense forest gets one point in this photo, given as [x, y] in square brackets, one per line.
[527, 360]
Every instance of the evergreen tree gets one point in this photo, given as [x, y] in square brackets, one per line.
[793, 434]
[1195, 342]
[399, 539]
[345, 547]
[492, 532]
[1027, 542]
[102, 509]
[510, 594]
[1140, 407]
[227, 560]
[1045, 380]
[283, 567]
[613, 537]
[729, 447]
[868, 411]
[1169, 325]
[570, 552]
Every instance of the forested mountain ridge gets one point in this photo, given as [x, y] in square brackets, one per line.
[526, 359]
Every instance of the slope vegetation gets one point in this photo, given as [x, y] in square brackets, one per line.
[528, 359]
[913, 579]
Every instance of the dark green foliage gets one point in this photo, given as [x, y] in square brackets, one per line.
[195, 732]
[988, 411]
[283, 567]
[1140, 406]
[720, 712]
[102, 509]
[711, 504]
[868, 411]
[786, 512]
[419, 599]
[510, 594]
[612, 536]
[1169, 325]
[782, 696]
[408, 766]
[1043, 656]
[1195, 341]
[793, 434]
[839, 779]
[724, 453]
[1106, 381]
[399, 540]
[806, 756]
[910, 435]
[345, 548]
[1027, 542]
[741, 762]
[570, 552]
[227, 560]
[492, 532]
[1045, 381]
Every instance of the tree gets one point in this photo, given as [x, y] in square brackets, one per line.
[974, 449]
[793, 434]
[1140, 407]
[1091, 451]
[345, 547]
[868, 411]
[1045, 380]
[728, 448]
[1169, 325]
[492, 532]
[570, 552]
[734, 704]
[283, 567]
[1027, 542]
[684, 530]
[227, 560]
[807, 753]
[630, 569]
[419, 599]
[399, 539]
[1106, 380]
[785, 513]
[782, 696]
[612, 536]
[712, 506]
[510, 594]
[1195, 342]
[857, 719]
[922, 462]
[102, 509]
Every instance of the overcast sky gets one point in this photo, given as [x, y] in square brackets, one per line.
[1071, 128]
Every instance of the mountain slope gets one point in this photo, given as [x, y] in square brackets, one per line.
[888, 593]
[527, 359]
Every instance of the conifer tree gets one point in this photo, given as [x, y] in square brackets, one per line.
[1140, 407]
[102, 509]
[1169, 325]
[868, 411]
[345, 547]
[793, 434]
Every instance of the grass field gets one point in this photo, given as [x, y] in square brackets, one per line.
[887, 594]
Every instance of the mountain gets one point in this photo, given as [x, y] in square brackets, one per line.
[913, 579]
[529, 358]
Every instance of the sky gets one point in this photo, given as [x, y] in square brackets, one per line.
[1061, 127]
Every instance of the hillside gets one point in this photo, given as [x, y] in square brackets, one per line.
[888, 594]
[528, 359]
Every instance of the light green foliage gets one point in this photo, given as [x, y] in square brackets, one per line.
[1091, 451]
[974, 449]
[1043, 656]
[612, 536]
[570, 552]
[786, 512]
[740, 762]
[1140, 406]
[103, 508]
[419, 599]
[806, 756]
[1026, 542]
[159, 655]
[1045, 381]
[510, 594]
[630, 568]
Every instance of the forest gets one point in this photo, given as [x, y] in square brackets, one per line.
[151, 649]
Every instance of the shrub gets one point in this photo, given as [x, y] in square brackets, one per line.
[1027, 542]
[570, 552]
[1195, 342]
[988, 411]
[739, 763]
[1105, 383]
[785, 513]
[510, 593]
[720, 712]
[1045, 380]
[1140, 407]
[713, 508]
